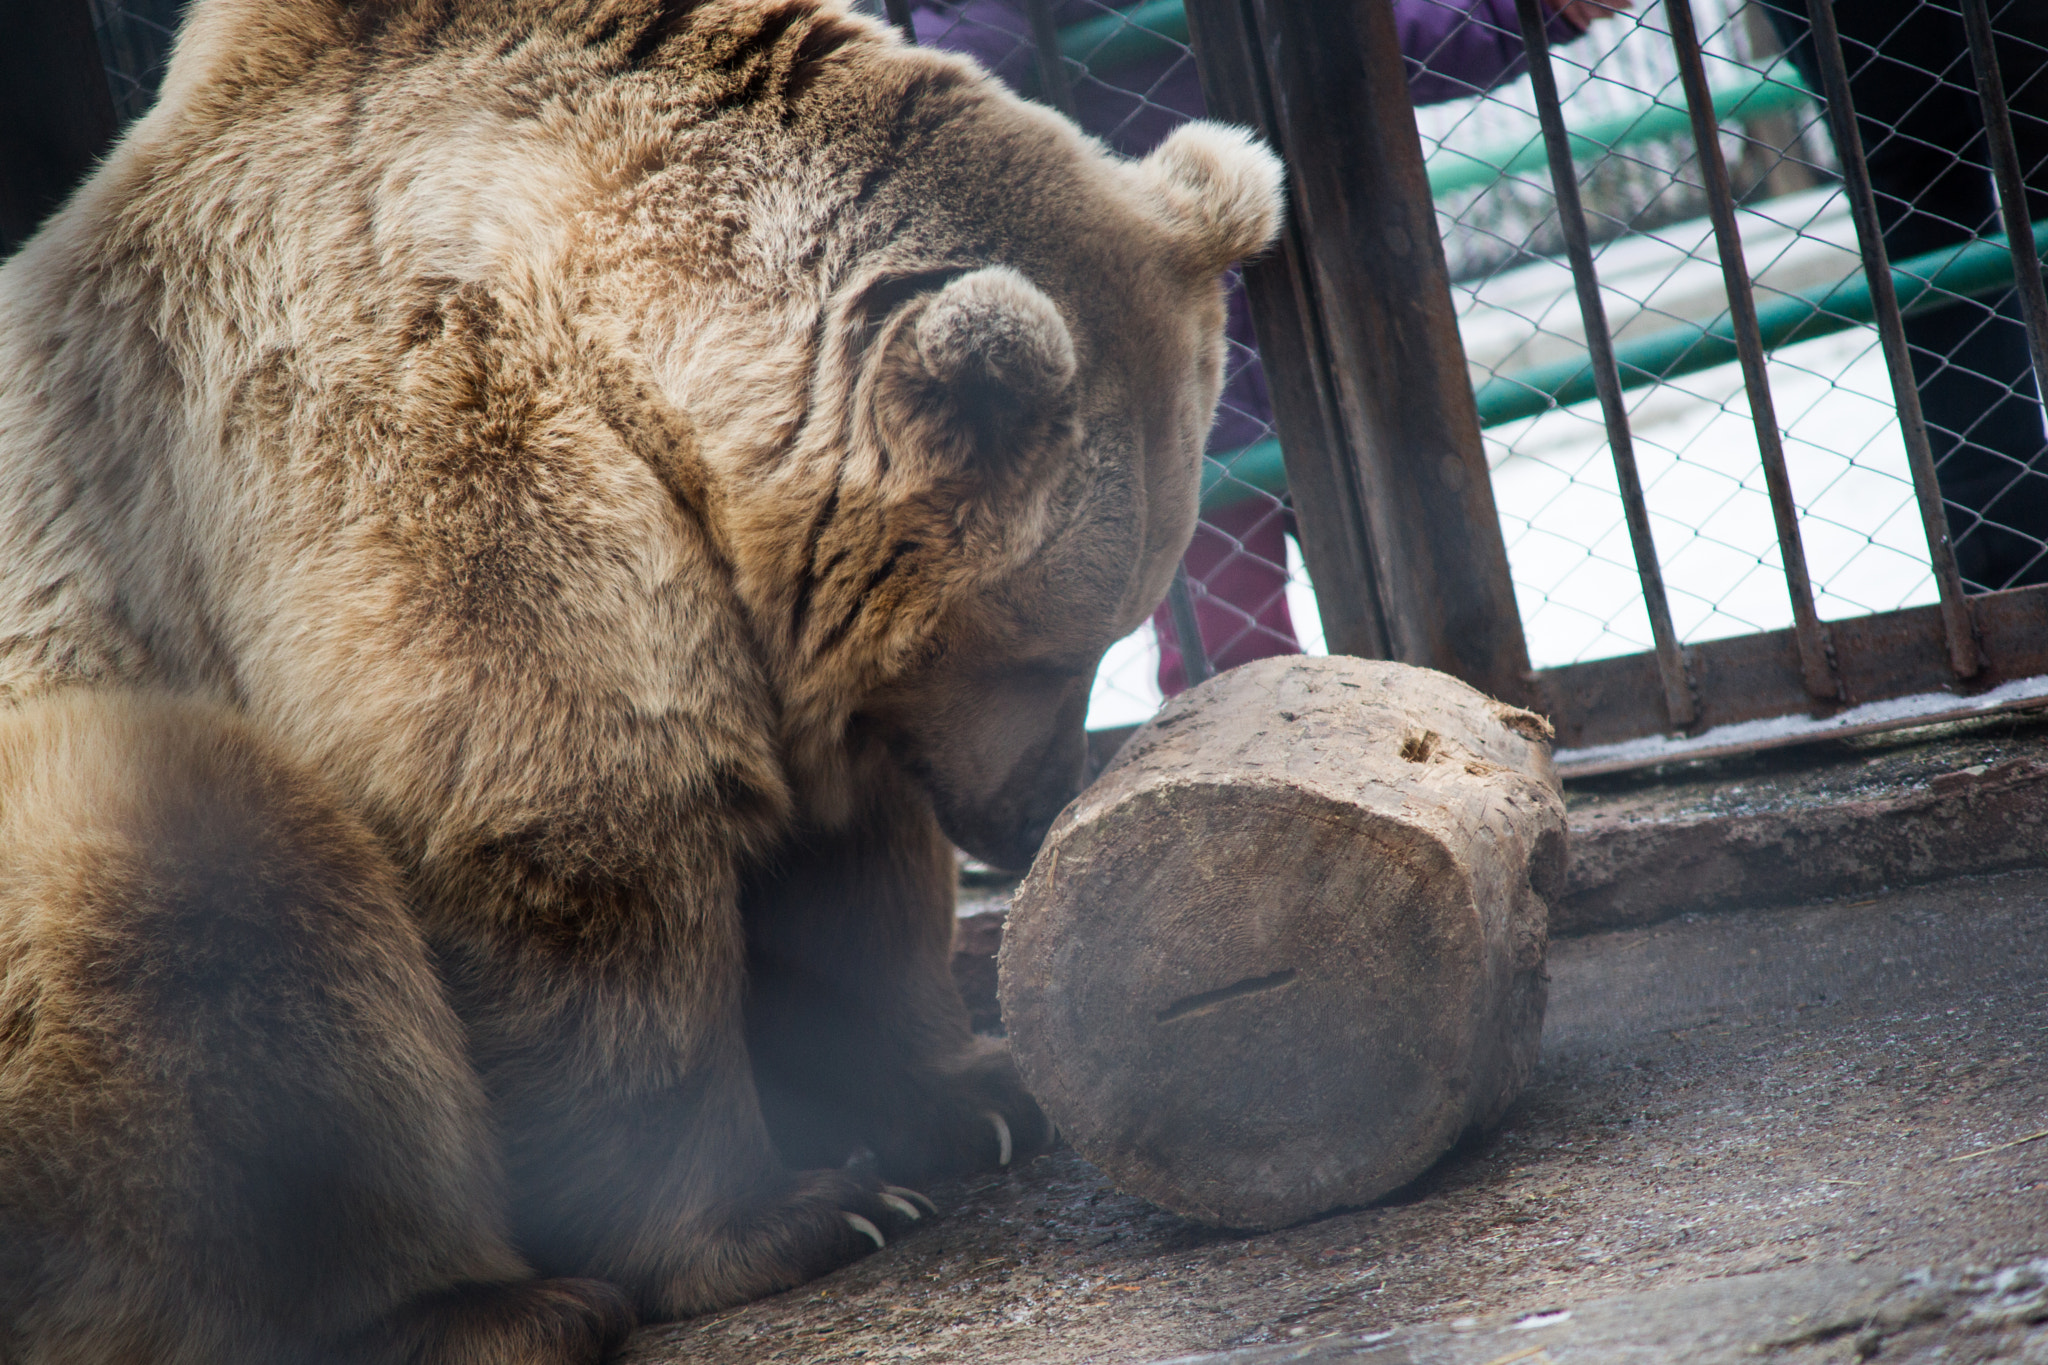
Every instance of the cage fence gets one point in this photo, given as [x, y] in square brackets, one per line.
[1128, 76]
[1660, 279]
[135, 42]
[1705, 435]
[1656, 257]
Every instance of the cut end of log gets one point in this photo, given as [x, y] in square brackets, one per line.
[1289, 946]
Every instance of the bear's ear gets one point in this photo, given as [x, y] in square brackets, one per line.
[982, 369]
[996, 341]
[975, 373]
[1222, 188]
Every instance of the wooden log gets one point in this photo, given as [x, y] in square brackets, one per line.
[1289, 947]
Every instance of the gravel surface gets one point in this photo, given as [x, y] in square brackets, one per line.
[1823, 1087]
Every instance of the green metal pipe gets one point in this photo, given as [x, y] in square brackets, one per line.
[1923, 283]
[1235, 475]
[1112, 40]
[1768, 93]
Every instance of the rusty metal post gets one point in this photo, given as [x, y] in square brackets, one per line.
[899, 15]
[1957, 625]
[2010, 178]
[1355, 321]
[1052, 68]
[1816, 649]
[1680, 708]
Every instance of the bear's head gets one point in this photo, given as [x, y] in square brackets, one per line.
[966, 360]
[1053, 403]
[932, 368]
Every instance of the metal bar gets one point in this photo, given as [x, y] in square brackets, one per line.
[1187, 630]
[1756, 677]
[1157, 28]
[2012, 192]
[1891, 331]
[1918, 283]
[1319, 470]
[1052, 70]
[899, 15]
[1573, 763]
[1376, 284]
[1571, 216]
[1816, 655]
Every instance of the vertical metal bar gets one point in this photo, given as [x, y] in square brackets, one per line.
[1679, 706]
[2012, 190]
[1406, 442]
[1957, 624]
[1336, 540]
[1187, 630]
[1052, 71]
[1816, 654]
[899, 15]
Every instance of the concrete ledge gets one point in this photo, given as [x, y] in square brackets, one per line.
[1641, 861]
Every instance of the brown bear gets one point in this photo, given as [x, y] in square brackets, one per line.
[525, 526]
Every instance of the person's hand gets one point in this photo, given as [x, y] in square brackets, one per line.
[1580, 14]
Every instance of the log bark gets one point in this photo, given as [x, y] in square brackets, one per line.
[1289, 947]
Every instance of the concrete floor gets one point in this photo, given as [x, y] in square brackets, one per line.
[1818, 1092]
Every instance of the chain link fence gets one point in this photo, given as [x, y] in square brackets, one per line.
[135, 42]
[1131, 77]
[1554, 481]
[1661, 281]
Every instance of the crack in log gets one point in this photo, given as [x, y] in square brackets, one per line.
[1251, 985]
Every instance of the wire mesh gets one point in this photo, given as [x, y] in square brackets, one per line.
[135, 42]
[1132, 79]
[1659, 273]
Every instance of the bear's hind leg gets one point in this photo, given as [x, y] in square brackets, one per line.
[237, 1125]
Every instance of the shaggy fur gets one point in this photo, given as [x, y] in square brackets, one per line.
[524, 525]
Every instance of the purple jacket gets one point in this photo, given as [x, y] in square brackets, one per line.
[1454, 48]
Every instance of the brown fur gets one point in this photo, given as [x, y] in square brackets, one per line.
[521, 521]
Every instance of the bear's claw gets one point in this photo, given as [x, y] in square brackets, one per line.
[866, 1229]
[1004, 1148]
[901, 1205]
[914, 1197]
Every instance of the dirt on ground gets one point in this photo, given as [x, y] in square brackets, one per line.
[1858, 1084]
